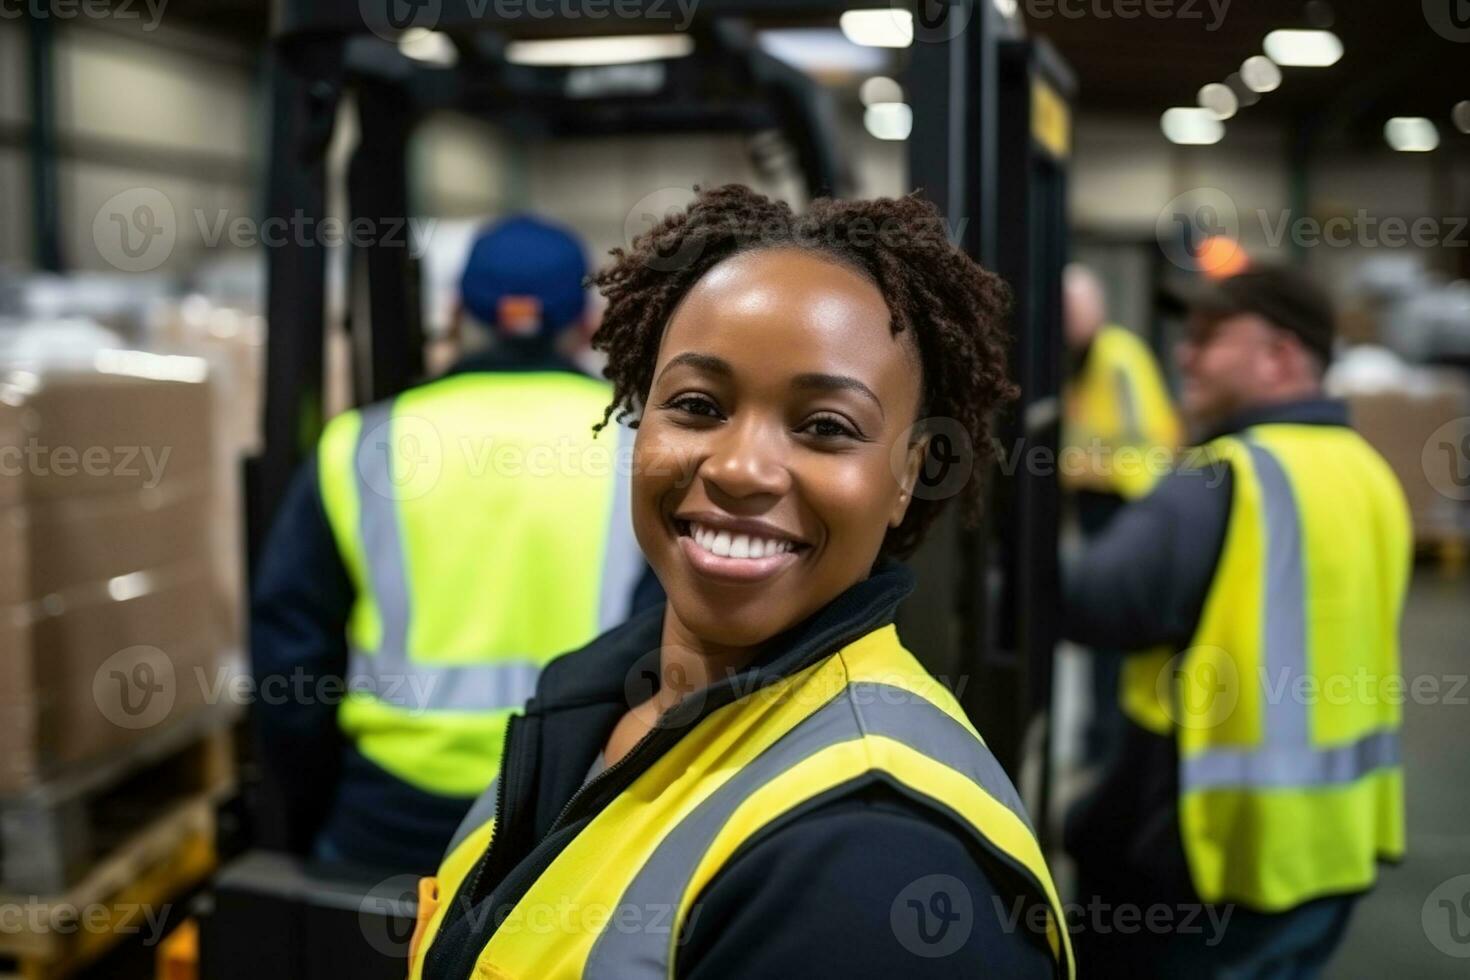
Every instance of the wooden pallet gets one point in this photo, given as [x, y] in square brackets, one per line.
[52, 834]
[124, 895]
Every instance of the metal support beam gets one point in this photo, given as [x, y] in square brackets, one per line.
[45, 195]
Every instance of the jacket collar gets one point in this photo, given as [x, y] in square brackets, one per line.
[514, 354]
[598, 672]
[1306, 411]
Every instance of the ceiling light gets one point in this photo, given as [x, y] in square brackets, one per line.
[1411, 134]
[1303, 49]
[1218, 98]
[1191, 126]
[890, 28]
[822, 52]
[889, 120]
[1260, 74]
[434, 47]
[880, 88]
[599, 50]
[1242, 94]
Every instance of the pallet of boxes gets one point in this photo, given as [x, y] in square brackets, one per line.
[115, 743]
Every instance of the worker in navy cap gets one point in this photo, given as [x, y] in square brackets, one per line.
[419, 574]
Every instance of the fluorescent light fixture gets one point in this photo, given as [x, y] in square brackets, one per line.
[434, 47]
[1218, 98]
[618, 50]
[1260, 74]
[1411, 134]
[1303, 49]
[889, 120]
[884, 28]
[822, 51]
[880, 88]
[1191, 126]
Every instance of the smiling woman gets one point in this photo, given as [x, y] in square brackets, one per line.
[776, 783]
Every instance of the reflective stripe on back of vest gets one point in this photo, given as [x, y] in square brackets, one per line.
[1121, 428]
[616, 901]
[1284, 705]
[485, 531]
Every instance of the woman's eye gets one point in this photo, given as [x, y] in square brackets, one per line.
[695, 405]
[830, 427]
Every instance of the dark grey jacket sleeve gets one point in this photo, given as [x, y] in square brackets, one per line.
[1142, 582]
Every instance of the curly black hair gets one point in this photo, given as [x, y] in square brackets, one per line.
[955, 308]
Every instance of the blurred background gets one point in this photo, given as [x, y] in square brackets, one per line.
[224, 221]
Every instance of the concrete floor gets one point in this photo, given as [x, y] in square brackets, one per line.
[1415, 925]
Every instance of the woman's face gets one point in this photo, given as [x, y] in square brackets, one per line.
[764, 479]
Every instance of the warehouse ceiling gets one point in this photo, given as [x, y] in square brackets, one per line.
[1139, 57]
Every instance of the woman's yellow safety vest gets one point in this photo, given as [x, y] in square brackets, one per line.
[454, 507]
[1286, 705]
[616, 899]
[1121, 429]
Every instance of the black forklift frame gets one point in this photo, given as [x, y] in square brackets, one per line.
[984, 614]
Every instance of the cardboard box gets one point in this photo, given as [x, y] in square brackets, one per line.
[107, 587]
[1399, 424]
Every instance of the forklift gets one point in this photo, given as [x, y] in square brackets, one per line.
[989, 146]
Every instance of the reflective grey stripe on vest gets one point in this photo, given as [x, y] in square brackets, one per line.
[1128, 407]
[654, 895]
[388, 672]
[622, 561]
[1286, 756]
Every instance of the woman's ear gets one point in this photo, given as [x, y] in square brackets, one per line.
[913, 465]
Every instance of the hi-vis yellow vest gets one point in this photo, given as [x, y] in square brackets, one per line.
[485, 531]
[867, 713]
[1286, 705]
[1121, 428]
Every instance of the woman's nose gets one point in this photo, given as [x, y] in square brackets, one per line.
[748, 459]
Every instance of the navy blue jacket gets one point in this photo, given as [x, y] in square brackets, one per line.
[819, 895]
[334, 801]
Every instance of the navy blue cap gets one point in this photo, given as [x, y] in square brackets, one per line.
[524, 277]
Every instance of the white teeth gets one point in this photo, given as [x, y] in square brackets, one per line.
[726, 545]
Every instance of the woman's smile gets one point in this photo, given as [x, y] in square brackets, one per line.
[733, 549]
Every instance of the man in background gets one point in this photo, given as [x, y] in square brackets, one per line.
[434, 554]
[1262, 582]
[1119, 436]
